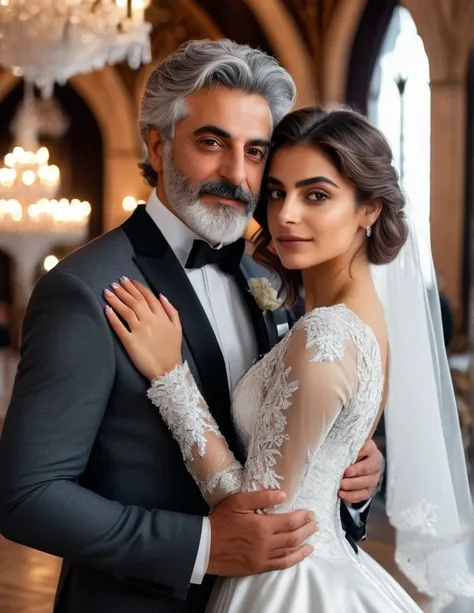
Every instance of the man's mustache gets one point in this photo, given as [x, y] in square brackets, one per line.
[228, 190]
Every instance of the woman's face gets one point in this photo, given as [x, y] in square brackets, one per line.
[312, 212]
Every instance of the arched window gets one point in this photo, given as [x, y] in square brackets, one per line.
[400, 105]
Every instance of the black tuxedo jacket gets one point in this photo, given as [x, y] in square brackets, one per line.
[89, 472]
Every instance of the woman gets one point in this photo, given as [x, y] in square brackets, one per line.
[331, 206]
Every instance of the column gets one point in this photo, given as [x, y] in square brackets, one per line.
[448, 133]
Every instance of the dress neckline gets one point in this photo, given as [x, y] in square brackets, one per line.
[342, 306]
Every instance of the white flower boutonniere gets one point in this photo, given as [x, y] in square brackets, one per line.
[264, 293]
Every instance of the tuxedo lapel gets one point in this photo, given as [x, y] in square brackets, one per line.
[165, 275]
[255, 312]
[264, 323]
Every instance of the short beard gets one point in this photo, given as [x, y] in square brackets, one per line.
[222, 225]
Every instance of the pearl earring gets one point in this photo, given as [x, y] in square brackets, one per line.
[369, 232]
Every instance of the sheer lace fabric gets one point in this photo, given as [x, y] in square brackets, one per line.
[303, 412]
[339, 395]
[205, 452]
[306, 386]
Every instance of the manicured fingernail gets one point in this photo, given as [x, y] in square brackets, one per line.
[124, 279]
[107, 292]
[115, 285]
[311, 517]
[164, 297]
[108, 309]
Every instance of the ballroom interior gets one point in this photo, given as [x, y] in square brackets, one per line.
[69, 155]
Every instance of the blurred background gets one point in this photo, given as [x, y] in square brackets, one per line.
[69, 152]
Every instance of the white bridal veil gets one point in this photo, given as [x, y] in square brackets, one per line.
[428, 497]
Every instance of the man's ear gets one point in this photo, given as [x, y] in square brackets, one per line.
[154, 143]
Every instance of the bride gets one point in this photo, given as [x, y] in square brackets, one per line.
[331, 209]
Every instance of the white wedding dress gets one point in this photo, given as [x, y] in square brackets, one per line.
[303, 412]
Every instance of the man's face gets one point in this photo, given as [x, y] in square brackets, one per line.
[210, 173]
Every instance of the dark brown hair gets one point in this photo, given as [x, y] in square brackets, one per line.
[362, 155]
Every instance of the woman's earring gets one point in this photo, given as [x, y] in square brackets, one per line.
[369, 232]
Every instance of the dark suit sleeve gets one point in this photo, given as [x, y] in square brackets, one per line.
[61, 392]
[356, 532]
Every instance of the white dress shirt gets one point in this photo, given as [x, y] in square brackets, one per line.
[225, 309]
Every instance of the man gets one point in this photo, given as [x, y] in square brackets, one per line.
[89, 471]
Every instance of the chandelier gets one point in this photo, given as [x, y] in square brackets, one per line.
[45, 217]
[48, 41]
[28, 176]
[29, 184]
[52, 122]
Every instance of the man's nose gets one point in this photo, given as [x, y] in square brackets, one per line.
[233, 167]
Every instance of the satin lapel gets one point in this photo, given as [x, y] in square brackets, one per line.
[165, 275]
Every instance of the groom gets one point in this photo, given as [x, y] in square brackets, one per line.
[89, 472]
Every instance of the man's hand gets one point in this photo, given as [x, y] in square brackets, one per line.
[244, 542]
[361, 479]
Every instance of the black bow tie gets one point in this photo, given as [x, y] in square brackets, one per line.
[227, 258]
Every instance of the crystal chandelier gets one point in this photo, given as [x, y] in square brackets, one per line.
[29, 184]
[48, 41]
[52, 122]
[27, 176]
[45, 217]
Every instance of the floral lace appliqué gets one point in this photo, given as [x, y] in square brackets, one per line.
[260, 409]
[270, 436]
[228, 481]
[180, 404]
[329, 336]
[422, 518]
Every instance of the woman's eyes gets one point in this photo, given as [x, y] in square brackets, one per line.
[318, 196]
[276, 194]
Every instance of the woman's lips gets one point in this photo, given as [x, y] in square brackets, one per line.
[292, 242]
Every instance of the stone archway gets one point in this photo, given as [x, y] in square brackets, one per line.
[445, 28]
[112, 107]
[288, 45]
[446, 32]
[337, 52]
[188, 21]
[277, 25]
[365, 50]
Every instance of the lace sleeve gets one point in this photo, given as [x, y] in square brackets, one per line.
[314, 381]
[205, 451]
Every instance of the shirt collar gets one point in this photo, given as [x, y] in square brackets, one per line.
[178, 236]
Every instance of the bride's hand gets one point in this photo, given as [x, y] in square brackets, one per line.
[153, 337]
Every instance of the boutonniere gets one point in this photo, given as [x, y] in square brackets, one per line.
[264, 294]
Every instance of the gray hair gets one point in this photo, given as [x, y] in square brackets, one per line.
[203, 63]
